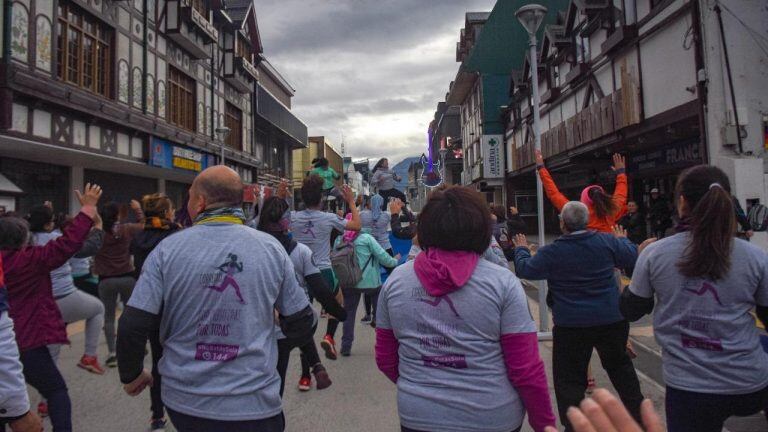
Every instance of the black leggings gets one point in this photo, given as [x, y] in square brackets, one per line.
[704, 412]
[40, 372]
[309, 356]
[367, 297]
[188, 423]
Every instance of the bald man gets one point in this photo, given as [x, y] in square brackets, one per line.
[211, 290]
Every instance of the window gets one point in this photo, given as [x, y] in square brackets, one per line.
[181, 99]
[242, 49]
[200, 6]
[582, 48]
[234, 121]
[83, 50]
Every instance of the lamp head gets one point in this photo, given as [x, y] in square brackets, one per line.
[222, 132]
[531, 16]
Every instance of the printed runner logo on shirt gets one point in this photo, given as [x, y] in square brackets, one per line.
[229, 269]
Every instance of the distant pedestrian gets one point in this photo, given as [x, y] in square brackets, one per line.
[219, 345]
[377, 222]
[114, 267]
[454, 331]
[313, 227]
[634, 223]
[321, 167]
[659, 214]
[32, 307]
[383, 180]
[275, 219]
[705, 284]
[158, 225]
[579, 267]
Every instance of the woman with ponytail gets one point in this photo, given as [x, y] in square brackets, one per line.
[705, 283]
[604, 210]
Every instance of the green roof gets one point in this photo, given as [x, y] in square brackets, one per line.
[503, 41]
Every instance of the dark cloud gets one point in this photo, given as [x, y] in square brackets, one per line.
[371, 69]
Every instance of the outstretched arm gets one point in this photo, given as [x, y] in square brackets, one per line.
[550, 188]
[620, 193]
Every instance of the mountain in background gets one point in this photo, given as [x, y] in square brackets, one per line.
[402, 171]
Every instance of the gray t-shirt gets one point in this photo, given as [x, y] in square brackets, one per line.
[313, 228]
[708, 337]
[379, 227]
[452, 371]
[218, 286]
[61, 278]
[383, 179]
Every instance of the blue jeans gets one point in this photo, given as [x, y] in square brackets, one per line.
[41, 373]
[187, 423]
[706, 412]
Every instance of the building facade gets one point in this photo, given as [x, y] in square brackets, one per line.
[643, 78]
[128, 94]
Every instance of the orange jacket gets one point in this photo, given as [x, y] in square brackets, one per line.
[595, 223]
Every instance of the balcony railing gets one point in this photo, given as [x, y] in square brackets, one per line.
[190, 29]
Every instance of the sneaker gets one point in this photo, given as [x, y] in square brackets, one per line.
[42, 409]
[329, 346]
[305, 384]
[346, 352]
[322, 377]
[366, 319]
[91, 364]
[157, 424]
[111, 361]
[373, 322]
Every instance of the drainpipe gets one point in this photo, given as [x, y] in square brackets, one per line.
[5, 92]
[213, 90]
[701, 84]
[719, 13]
[145, 57]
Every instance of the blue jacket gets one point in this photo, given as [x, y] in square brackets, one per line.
[580, 271]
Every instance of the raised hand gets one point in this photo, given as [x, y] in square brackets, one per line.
[619, 162]
[539, 158]
[135, 205]
[395, 206]
[348, 195]
[91, 195]
[520, 241]
[619, 231]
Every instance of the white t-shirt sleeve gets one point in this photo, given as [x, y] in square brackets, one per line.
[338, 223]
[761, 296]
[308, 266]
[291, 298]
[641, 276]
[148, 293]
[515, 312]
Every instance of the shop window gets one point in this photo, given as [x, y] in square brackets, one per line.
[181, 99]
[84, 50]
[234, 121]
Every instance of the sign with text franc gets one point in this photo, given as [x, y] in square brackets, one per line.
[493, 156]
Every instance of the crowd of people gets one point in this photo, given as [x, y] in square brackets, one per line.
[223, 296]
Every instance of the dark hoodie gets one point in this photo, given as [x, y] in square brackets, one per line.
[144, 242]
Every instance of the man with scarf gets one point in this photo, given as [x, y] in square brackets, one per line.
[215, 339]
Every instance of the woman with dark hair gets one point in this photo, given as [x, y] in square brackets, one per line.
[604, 210]
[383, 180]
[276, 220]
[449, 297]
[114, 268]
[313, 227]
[158, 224]
[75, 305]
[377, 222]
[321, 167]
[32, 308]
[705, 283]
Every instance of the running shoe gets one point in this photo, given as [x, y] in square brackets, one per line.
[373, 322]
[366, 319]
[91, 364]
[322, 377]
[42, 409]
[111, 361]
[157, 425]
[305, 384]
[346, 352]
[329, 346]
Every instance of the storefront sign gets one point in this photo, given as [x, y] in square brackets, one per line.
[493, 162]
[674, 156]
[167, 155]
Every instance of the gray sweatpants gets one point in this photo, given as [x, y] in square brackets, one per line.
[109, 289]
[81, 306]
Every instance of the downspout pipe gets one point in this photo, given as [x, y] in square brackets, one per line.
[719, 13]
[145, 56]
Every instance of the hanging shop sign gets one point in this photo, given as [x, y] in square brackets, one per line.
[167, 155]
[674, 156]
[493, 162]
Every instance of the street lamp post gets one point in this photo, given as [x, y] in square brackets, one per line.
[531, 16]
[221, 133]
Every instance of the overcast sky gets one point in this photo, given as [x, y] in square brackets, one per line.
[372, 69]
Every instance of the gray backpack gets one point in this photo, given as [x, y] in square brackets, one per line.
[345, 265]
